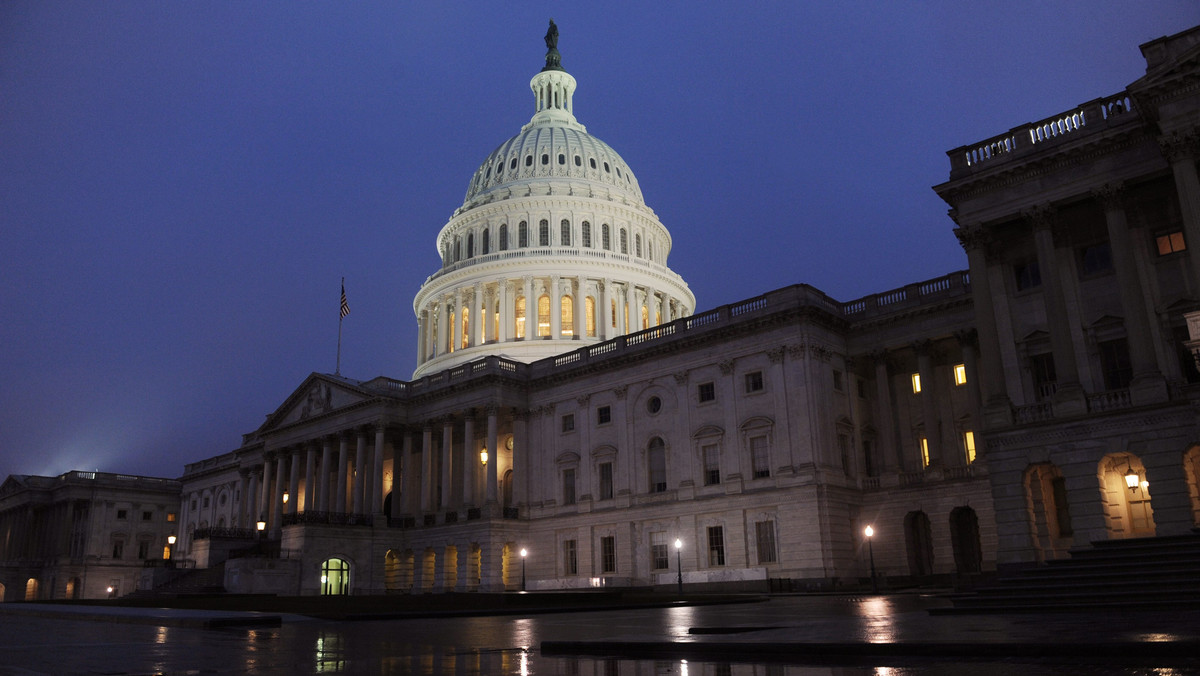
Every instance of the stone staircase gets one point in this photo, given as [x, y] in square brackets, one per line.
[1161, 573]
[193, 581]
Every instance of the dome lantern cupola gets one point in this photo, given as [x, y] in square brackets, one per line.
[553, 89]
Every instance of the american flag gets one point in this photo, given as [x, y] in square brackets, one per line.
[345, 305]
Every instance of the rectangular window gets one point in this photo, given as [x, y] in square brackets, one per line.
[568, 477]
[754, 381]
[960, 374]
[608, 554]
[706, 392]
[118, 549]
[712, 464]
[1170, 243]
[603, 415]
[916, 381]
[1027, 275]
[760, 457]
[122, 514]
[171, 517]
[570, 558]
[658, 551]
[1115, 364]
[924, 452]
[143, 550]
[862, 390]
[1045, 381]
[606, 481]
[568, 422]
[1095, 259]
[969, 445]
[716, 545]
[837, 380]
[764, 536]
[147, 516]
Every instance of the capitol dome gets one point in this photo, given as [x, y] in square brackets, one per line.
[553, 246]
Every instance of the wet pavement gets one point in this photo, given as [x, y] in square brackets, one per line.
[806, 635]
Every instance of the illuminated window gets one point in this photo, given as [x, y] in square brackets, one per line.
[1171, 242]
[466, 328]
[614, 313]
[495, 321]
[519, 312]
[969, 445]
[567, 306]
[916, 380]
[645, 318]
[544, 315]
[924, 452]
[960, 374]
[450, 337]
[170, 517]
[589, 315]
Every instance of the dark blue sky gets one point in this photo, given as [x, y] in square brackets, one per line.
[183, 184]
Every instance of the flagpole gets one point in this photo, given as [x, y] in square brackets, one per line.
[343, 310]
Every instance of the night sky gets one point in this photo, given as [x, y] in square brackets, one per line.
[183, 184]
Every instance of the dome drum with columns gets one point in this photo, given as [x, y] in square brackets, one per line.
[553, 245]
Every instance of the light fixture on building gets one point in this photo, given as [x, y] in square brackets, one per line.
[171, 539]
[483, 457]
[1132, 479]
[285, 497]
[260, 525]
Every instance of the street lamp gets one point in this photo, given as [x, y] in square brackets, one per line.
[679, 566]
[523, 555]
[483, 457]
[870, 532]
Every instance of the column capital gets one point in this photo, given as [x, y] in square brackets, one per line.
[974, 236]
[967, 337]
[1180, 145]
[1111, 196]
[1040, 217]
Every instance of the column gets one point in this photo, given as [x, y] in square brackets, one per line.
[888, 450]
[966, 342]
[555, 308]
[342, 469]
[377, 470]
[933, 425]
[492, 444]
[603, 316]
[470, 462]
[1181, 150]
[443, 338]
[652, 308]
[294, 482]
[427, 468]
[530, 308]
[243, 513]
[251, 501]
[409, 473]
[997, 411]
[264, 496]
[520, 453]
[323, 481]
[506, 313]
[579, 293]
[1065, 365]
[1148, 384]
[360, 469]
[444, 499]
[631, 315]
[400, 474]
[277, 498]
[310, 478]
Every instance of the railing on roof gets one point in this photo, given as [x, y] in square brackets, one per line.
[1091, 117]
[568, 251]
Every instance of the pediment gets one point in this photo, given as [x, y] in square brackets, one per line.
[318, 395]
[11, 485]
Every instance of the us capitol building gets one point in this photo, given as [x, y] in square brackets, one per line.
[574, 416]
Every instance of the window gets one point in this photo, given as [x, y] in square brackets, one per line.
[1045, 382]
[1027, 275]
[587, 234]
[147, 516]
[565, 232]
[513, 164]
[568, 477]
[562, 159]
[754, 381]
[1171, 242]
[171, 517]
[502, 243]
[712, 464]
[843, 441]
[924, 452]
[960, 374]
[916, 381]
[523, 234]
[592, 162]
[1062, 511]
[606, 169]
[470, 245]
[570, 558]
[764, 536]
[529, 160]
[118, 549]
[637, 244]
[760, 457]
[143, 550]
[544, 233]
[716, 545]
[578, 161]
[519, 316]
[603, 415]
[605, 239]
[608, 554]
[624, 241]
[653, 405]
[606, 481]
[545, 158]
[706, 392]
[543, 316]
[485, 242]
[837, 381]
[969, 446]
[568, 422]
[657, 459]
[1115, 364]
[1095, 259]
[658, 551]
[567, 316]
[589, 316]
[123, 514]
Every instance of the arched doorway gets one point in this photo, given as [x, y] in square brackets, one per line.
[387, 504]
[1191, 469]
[918, 536]
[1048, 510]
[335, 577]
[964, 540]
[1125, 496]
[391, 571]
[31, 589]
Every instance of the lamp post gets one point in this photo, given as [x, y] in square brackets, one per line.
[679, 566]
[870, 532]
[524, 553]
[170, 546]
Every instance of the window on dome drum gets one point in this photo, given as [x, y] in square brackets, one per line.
[960, 374]
[1095, 259]
[618, 172]
[483, 243]
[606, 481]
[637, 245]
[969, 446]
[545, 159]
[624, 241]
[603, 415]
[499, 168]
[916, 383]
[562, 159]
[519, 316]
[587, 234]
[754, 381]
[567, 313]
[513, 164]
[466, 329]
[457, 249]
[608, 554]
[658, 551]
[1027, 275]
[470, 245]
[529, 160]
[589, 316]
[706, 392]
[523, 234]
[503, 241]
[650, 249]
[764, 539]
[578, 161]
[1169, 243]
[605, 240]
[568, 422]
[716, 545]
[592, 162]
[495, 321]
[568, 478]
[543, 232]
[645, 318]
[656, 457]
[614, 312]
[565, 228]
[606, 169]
[760, 457]
[544, 316]
[570, 560]
[712, 464]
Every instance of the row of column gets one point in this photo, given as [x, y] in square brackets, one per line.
[441, 321]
